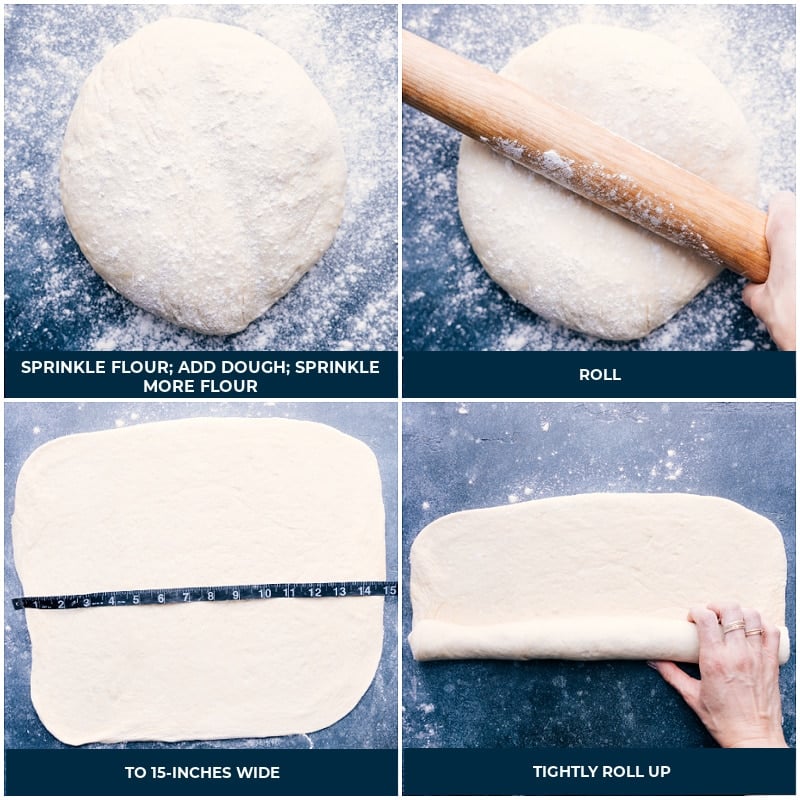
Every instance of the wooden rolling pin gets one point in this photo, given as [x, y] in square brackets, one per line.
[585, 158]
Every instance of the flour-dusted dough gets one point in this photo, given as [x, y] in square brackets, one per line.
[196, 503]
[593, 576]
[202, 173]
[566, 258]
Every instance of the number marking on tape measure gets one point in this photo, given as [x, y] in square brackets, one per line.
[210, 594]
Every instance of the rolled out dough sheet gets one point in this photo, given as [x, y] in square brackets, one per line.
[200, 502]
[594, 576]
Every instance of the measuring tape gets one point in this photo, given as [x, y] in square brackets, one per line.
[210, 594]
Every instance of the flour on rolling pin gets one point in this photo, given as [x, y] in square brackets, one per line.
[596, 183]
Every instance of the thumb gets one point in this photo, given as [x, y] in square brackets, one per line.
[686, 686]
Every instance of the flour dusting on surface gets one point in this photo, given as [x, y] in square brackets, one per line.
[55, 301]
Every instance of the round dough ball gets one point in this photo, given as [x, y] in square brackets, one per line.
[202, 173]
[567, 259]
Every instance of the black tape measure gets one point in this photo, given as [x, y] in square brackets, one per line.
[210, 594]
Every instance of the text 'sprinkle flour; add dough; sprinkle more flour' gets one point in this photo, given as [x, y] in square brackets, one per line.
[202, 173]
[566, 258]
[197, 503]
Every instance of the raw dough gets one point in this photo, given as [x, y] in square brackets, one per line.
[196, 503]
[566, 258]
[202, 173]
[593, 576]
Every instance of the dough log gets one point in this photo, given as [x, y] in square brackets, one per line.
[575, 638]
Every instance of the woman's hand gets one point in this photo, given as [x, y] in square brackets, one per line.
[774, 301]
[737, 697]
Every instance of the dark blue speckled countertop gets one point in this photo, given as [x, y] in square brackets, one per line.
[465, 456]
[55, 301]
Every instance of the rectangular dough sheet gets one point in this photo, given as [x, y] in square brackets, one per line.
[596, 576]
[200, 502]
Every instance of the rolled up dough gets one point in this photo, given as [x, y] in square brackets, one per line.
[202, 173]
[595, 576]
[200, 502]
[566, 258]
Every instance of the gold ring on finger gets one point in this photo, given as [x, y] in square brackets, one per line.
[736, 625]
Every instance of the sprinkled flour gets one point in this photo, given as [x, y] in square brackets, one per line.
[449, 301]
[54, 300]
